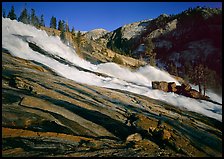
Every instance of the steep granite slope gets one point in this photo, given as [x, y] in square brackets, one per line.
[44, 114]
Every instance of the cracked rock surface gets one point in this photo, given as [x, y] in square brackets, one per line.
[44, 114]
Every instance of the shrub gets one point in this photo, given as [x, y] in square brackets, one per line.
[117, 60]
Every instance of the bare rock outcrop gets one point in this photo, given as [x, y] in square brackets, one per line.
[172, 87]
[44, 114]
[161, 85]
[185, 89]
[134, 137]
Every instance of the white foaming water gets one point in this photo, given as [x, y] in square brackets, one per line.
[15, 38]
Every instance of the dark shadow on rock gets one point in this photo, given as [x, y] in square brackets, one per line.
[115, 127]
[199, 137]
[8, 97]
[80, 98]
[40, 146]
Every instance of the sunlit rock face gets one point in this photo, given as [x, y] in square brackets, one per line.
[95, 34]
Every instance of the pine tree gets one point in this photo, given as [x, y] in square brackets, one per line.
[63, 25]
[173, 69]
[78, 38]
[24, 17]
[34, 19]
[67, 27]
[32, 16]
[12, 14]
[150, 52]
[209, 79]
[53, 22]
[63, 36]
[60, 25]
[197, 75]
[73, 31]
[42, 20]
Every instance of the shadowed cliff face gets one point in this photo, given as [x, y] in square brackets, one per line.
[44, 114]
[190, 37]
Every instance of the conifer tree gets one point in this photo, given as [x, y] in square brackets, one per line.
[73, 31]
[63, 25]
[24, 17]
[60, 25]
[12, 14]
[78, 38]
[42, 20]
[173, 69]
[34, 19]
[53, 22]
[197, 75]
[67, 27]
[150, 52]
[32, 22]
[63, 36]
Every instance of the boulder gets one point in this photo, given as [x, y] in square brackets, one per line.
[194, 94]
[134, 137]
[162, 134]
[172, 87]
[145, 123]
[166, 135]
[179, 90]
[186, 87]
[161, 85]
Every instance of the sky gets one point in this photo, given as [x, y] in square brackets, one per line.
[86, 16]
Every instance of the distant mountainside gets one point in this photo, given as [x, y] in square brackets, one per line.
[95, 34]
[182, 39]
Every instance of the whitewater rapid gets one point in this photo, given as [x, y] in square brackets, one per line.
[16, 37]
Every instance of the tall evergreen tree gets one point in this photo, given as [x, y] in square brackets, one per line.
[173, 68]
[42, 20]
[60, 25]
[63, 36]
[67, 27]
[12, 14]
[24, 17]
[34, 18]
[150, 52]
[53, 22]
[78, 38]
[64, 25]
[197, 75]
[73, 31]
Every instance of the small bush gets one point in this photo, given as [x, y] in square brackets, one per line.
[117, 60]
